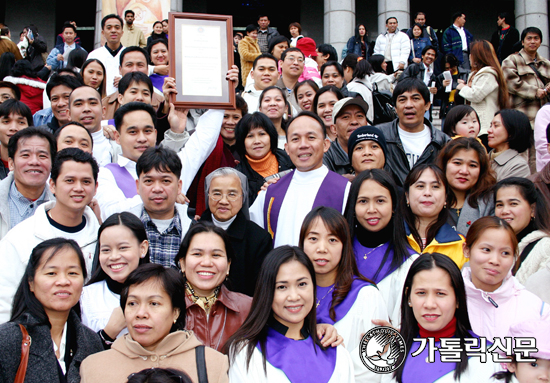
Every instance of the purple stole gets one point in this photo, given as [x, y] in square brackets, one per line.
[124, 180]
[331, 193]
[157, 80]
[323, 315]
[368, 267]
[288, 355]
[417, 370]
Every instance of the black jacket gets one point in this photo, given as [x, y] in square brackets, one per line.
[510, 39]
[43, 365]
[416, 70]
[255, 180]
[444, 96]
[396, 157]
[251, 244]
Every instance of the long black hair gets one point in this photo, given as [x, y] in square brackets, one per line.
[405, 212]
[399, 244]
[532, 195]
[25, 300]
[409, 324]
[347, 270]
[254, 329]
[128, 220]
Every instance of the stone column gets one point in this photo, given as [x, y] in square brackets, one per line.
[534, 13]
[399, 9]
[339, 23]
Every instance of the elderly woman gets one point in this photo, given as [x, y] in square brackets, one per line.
[44, 306]
[153, 303]
[226, 194]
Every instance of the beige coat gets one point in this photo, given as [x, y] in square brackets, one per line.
[483, 96]
[127, 356]
[248, 50]
[510, 164]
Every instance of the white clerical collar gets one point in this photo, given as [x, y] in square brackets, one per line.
[309, 175]
[224, 225]
[98, 136]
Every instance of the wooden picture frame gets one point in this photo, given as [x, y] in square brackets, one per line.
[201, 53]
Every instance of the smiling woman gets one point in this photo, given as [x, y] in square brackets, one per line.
[283, 317]
[434, 306]
[153, 304]
[492, 250]
[465, 164]
[424, 210]
[44, 305]
[256, 142]
[122, 246]
[205, 259]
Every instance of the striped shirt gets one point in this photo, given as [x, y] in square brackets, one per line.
[21, 207]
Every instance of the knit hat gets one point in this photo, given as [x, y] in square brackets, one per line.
[307, 46]
[538, 329]
[347, 101]
[366, 133]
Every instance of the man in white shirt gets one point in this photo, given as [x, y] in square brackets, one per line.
[292, 66]
[290, 199]
[74, 183]
[394, 45]
[109, 54]
[59, 55]
[132, 59]
[265, 74]
[85, 107]
[410, 138]
[135, 124]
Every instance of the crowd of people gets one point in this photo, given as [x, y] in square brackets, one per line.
[140, 242]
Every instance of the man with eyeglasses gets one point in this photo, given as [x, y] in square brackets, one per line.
[227, 192]
[166, 222]
[292, 66]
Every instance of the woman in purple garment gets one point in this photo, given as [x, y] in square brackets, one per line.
[345, 298]
[382, 252]
[158, 54]
[434, 306]
[277, 341]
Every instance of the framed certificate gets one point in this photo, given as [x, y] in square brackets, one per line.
[201, 53]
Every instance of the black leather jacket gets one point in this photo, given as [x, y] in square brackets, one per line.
[396, 157]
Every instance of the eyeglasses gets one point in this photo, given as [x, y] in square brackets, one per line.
[231, 196]
[292, 59]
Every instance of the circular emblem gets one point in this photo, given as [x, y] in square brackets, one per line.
[382, 350]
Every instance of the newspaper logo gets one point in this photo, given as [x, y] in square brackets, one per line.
[382, 350]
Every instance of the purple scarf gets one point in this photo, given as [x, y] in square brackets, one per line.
[124, 180]
[331, 194]
[289, 355]
[368, 267]
[324, 298]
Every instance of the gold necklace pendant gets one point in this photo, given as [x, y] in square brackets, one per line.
[365, 256]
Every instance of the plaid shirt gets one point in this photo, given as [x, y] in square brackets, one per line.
[262, 40]
[21, 207]
[163, 247]
[523, 82]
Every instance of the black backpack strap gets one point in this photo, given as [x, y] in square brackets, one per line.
[201, 364]
[526, 252]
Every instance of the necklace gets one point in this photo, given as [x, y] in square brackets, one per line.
[319, 300]
[365, 256]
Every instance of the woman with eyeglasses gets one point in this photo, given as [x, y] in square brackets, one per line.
[226, 191]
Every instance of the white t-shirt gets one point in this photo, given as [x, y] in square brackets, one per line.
[415, 143]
